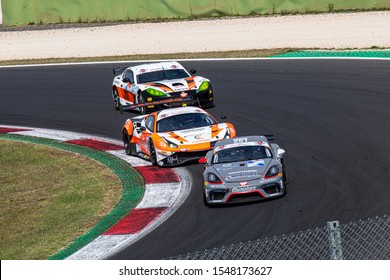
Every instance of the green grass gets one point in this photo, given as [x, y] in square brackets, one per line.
[49, 197]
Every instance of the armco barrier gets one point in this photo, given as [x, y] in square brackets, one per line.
[22, 12]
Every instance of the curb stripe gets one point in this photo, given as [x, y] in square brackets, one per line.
[157, 175]
[96, 144]
[6, 130]
[135, 221]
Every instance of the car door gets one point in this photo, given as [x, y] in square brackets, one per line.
[147, 131]
[128, 83]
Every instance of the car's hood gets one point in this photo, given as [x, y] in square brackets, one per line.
[196, 135]
[243, 170]
[177, 85]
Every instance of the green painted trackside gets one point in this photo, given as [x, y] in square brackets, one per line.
[319, 54]
[132, 188]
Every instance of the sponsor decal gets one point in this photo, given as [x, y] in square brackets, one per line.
[245, 189]
[240, 140]
[227, 165]
[243, 183]
[252, 163]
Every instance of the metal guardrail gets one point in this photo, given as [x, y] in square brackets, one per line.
[363, 240]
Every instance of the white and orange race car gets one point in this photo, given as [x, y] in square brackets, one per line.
[173, 136]
[149, 86]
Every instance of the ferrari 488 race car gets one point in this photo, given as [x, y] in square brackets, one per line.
[243, 169]
[152, 85]
[173, 136]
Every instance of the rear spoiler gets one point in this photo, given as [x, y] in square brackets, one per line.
[119, 69]
[157, 102]
[270, 137]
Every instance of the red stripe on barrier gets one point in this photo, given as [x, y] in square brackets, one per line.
[135, 221]
[156, 175]
[5, 130]
[96, 144]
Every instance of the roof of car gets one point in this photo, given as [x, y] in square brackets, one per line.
[156, 66]
[178, 111]
[242, 140]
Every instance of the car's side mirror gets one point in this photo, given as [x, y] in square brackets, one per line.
[192, 71]
[143, 128]
[280, 153]
[126, 80]
[203, 160]
[223, 118]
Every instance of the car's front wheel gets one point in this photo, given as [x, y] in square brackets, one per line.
[152, 153]
[126, 143]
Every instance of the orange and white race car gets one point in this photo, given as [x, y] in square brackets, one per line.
[160, 85]
[173, 136]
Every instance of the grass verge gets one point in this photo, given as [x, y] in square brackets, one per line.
[49, 197]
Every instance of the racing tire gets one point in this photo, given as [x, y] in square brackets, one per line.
[205, 200]
[127, 144]
[116, 98]
[284, 172]
[152, 153]
[141, 100]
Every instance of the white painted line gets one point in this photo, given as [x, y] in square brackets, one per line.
[52, 134]
[134, 161]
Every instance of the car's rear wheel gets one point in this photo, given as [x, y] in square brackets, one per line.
[152, 153]
[141, 100]
[116, 98]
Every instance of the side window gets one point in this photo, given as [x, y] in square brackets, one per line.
[129, 75]
[149, 123]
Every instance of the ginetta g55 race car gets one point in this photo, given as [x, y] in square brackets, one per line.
[173, 136]
[144, 85]
[243, 169]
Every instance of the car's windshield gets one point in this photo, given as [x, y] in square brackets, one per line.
[161, 75]
[241, 153]
[184, 121]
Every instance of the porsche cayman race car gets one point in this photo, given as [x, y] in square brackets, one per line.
[173, 136]
[243, 169]
[147, 84]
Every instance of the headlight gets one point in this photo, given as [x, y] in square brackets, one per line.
[155, 92]
[170, 144]
[273, 171]
[227, 135]
[213, 179]
[203, 86]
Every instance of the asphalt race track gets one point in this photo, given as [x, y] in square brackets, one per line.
[331, 116]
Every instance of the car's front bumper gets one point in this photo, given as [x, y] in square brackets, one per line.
[233, 193]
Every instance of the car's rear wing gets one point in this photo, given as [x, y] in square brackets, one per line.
[119, 69]
[270, 137]
[172, 100]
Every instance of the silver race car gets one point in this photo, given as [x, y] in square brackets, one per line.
[243, 169]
